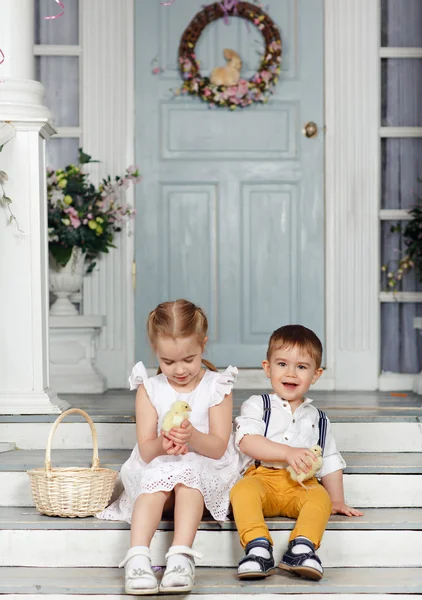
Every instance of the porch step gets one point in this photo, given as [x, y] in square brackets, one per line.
[381, 538]
[367, 436]
[371, 479]
[214, 584]
[29, 518]
[403, 463]
[361, 421]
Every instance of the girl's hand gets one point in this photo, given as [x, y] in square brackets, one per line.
[340, 508]
[300, 459]
[182, 434]
[178, 450]
[171, 448]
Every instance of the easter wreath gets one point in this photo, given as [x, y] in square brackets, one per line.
[246, 92]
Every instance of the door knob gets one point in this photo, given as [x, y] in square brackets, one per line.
[310, 129]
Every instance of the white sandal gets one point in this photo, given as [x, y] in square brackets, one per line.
[182, 579]
[139, 582]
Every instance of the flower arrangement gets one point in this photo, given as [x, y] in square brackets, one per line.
[258, 88]
[81, 215]
[412, 259]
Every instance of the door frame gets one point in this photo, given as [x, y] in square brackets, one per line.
[352, 187]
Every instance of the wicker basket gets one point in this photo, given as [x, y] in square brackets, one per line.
[72, 491]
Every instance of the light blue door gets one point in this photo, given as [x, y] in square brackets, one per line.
[230, 213]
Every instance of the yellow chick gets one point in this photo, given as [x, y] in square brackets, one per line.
[316, 465]
[179, 411]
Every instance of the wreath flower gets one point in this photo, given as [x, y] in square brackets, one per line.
[258, 88]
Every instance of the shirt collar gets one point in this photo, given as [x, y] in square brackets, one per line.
[284, 402]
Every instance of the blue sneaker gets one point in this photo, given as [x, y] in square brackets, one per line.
[302, 564]
[259, 567]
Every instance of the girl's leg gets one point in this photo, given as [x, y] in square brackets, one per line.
[180, 567]
[188, 511]
[146, 516]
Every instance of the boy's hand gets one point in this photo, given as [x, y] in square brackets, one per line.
[340, 508]
[300, 459]
[182, 434]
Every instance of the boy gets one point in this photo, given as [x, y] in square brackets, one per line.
[279, 436]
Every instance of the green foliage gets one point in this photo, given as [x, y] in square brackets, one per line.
[60, 253]
[411, 233]
[82, 215]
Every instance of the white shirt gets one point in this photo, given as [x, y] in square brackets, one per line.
[299, 430]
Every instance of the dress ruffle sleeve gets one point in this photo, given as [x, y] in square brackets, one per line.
[224, 384]
[139, 376]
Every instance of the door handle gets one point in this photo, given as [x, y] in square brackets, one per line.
[310, 130]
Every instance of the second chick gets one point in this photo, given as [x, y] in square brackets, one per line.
[316, 465]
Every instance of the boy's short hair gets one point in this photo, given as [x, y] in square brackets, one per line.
[296, 335]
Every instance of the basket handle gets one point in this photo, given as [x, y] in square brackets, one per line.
[95, 459]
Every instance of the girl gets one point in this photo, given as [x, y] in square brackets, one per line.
[189, 466]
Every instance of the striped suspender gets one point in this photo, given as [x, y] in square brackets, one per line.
[265, 417]
[322, 429]
[322, 425]
[267, 411]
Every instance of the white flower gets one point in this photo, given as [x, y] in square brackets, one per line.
[56, 196]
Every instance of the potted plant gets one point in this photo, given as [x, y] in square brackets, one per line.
[412, 239]
[82, 223]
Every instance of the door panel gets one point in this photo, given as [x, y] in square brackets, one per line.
[230, 213]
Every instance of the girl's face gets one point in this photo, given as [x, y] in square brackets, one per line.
[180, 359]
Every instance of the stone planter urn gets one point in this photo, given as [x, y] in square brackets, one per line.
[64, 281]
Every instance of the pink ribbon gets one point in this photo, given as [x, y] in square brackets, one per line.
[47, 19]
[228, 5]
[57, 16]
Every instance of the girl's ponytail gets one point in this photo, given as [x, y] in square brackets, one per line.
[209, 365]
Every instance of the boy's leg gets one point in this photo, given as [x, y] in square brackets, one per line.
[248, 500]
[312, 508]
[250, 504]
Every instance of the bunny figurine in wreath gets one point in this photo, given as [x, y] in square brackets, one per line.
[229, 74]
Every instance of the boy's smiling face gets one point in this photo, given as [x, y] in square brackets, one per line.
[292, 371]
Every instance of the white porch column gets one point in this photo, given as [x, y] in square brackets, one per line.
[24, 387]
[107, 32]
[352, 75]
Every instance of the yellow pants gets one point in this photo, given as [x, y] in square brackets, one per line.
[267, 492]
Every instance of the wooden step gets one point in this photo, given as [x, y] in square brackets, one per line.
[28, 518]
[359, 463]
[381, 538]
[214, 584]
[369, 436]
[371, 479]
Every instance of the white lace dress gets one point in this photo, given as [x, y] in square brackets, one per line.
[213, 478]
